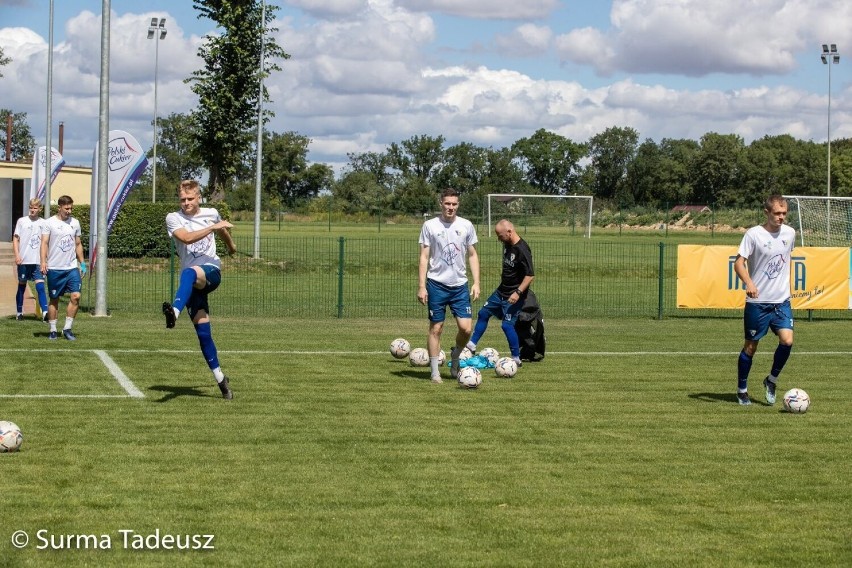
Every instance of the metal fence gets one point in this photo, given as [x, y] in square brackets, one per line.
[336, 277]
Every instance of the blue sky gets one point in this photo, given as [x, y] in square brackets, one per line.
[365, 73]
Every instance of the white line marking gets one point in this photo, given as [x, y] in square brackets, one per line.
[119, 375]
[63, 396]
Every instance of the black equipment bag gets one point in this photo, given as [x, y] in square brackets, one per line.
[530, 329]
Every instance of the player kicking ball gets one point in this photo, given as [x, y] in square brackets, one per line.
[194, 229]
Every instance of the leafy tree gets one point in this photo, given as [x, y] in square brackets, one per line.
[3, 59]
[718, 170]
[228, 85]
[376, 164]
[358, 191]
[178, 157]
[419, 156]
[550, 162]
[611, 153]
[23, 143]
[286, 173]
[503, 173]
[416, 196]
[463, 168]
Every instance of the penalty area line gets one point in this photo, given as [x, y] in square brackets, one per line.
[118, 374]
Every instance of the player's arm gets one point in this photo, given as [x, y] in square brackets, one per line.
[422, 271]
[225, 234]
[16, 246]
[45, 241]
[473, 258]
[189, 237]
[81, 259]
[742, 271]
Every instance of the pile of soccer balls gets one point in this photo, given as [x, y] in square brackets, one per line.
[10, 437]
[469, 377]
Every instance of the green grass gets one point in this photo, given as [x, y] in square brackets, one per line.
[624, 447]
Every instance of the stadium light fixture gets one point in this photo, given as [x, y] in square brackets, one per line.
[156, 31]
[830, 56]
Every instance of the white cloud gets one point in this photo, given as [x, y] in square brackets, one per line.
[526, 40]
[485, 9]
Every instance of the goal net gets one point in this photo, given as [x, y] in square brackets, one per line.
[821, 221]
[573, 212]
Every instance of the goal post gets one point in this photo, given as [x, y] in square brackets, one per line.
[821, 221]
[571, 211]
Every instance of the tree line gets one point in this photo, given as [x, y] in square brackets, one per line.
[219, 137]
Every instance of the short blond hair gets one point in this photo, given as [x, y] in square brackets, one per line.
[189, 185]
[35, 201]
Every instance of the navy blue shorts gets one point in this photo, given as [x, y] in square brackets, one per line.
[440, 296]
[198, 299]
[499, 307]
[61, 282]
[29, 272]
[758, 318]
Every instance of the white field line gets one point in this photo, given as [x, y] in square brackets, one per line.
[384, 352]
[63, 396]
[119, 375]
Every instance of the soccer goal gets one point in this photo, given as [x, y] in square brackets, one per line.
[571, 211]
[821, 221]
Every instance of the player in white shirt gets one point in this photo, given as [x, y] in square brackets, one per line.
[445, 242]
[766, 275]
[194, 229]
[26, 242]
[63, 262]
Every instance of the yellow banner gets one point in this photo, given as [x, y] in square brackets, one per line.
[819, 278]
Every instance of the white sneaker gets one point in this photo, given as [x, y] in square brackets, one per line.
[437, 380]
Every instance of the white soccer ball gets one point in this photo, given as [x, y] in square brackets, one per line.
[400, 348]
[491, 354]
[10, 437]
[470, 378]
[796, 401]
[506, 367]
[465, 354]
[418, 357]
[442, 358]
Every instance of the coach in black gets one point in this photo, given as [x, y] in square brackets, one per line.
[508, 299]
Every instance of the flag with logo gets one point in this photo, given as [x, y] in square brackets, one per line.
[126, 162]
[37, 187]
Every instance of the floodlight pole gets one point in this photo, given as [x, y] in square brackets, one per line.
[156, 31]
[48, 154]
[259, 166]
[103, 168]
[830, 56]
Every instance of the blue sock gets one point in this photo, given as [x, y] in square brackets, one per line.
[480, 327]
[42, 296]
[19, 297]
[782, 353]
[743, 368]
[185, 286]
[512, 336]
[208, 348]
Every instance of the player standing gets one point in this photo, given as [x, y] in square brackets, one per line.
[194, 229]
[767, 249]
[26, 242]
[63, 263]
[508, 299]
[445, 242]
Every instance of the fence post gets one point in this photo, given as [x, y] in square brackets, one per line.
[661, 281]
[340, 278]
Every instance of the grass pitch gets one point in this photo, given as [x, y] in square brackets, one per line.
[623, 447]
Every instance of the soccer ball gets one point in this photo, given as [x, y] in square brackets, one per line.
[400, 348]
[418, 357]
[796, 401]
[10, 437]
[465, 354]
[470, 378]
[506, 367]
[491, 354]
[442, 358]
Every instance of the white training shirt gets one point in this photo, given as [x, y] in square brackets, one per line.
[199, 252]
[29, 239]
[768, 256]
[62, 242]
[448, 243]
